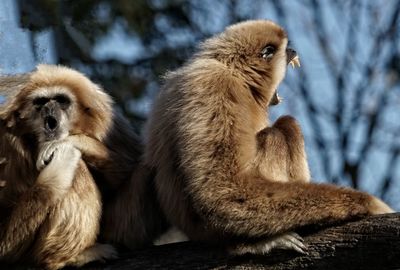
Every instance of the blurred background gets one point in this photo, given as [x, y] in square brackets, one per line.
[346, 95]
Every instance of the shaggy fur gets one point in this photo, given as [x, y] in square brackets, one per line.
[51, 214]
[223, 173]
[131, 216]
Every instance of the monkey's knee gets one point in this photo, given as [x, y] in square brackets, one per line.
[291, 129]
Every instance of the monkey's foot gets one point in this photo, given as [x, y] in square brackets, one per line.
[97, 252]
[290, 241]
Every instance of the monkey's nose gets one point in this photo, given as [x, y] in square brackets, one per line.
[50, 123]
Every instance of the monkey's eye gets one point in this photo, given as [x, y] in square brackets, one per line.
[40, 101]
[268, 52]
[62, 100]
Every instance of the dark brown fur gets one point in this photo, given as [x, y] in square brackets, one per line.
[222, 172]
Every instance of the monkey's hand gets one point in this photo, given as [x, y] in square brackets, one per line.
[63, 148]
[290, 240]
[62, 159]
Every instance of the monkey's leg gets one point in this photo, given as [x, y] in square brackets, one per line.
[298, 165]
[272, 159]
[281, 152]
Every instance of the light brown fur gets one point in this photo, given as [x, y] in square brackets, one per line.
[51, 216]
[223, 173]
[131, 216]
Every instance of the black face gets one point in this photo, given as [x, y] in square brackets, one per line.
[50, 110]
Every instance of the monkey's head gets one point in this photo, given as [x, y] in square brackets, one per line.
[52, 112]
[56, 102]
[259, 51]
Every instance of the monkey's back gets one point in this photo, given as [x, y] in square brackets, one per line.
[185, 128]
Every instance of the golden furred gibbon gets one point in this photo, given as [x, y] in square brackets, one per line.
[50, 207]
[131, 216]
[225, 175]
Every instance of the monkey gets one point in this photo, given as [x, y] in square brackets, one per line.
[223, 174]
[111, 149]
[50, 206]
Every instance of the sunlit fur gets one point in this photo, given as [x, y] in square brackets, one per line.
[223, 173]
[51, 217]
[131, 216]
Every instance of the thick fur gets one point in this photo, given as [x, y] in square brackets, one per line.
[131, 216]
[223, 173]
[51, 214]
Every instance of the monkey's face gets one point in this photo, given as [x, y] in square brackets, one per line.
[50, 113]
[259, 50]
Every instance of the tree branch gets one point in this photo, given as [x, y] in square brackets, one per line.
[371, 243]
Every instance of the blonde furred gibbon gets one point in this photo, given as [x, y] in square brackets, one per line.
[50, 213]
[224, 174]
[131, 216]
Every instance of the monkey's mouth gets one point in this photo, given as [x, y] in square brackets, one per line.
[50, 128]
[293, 60]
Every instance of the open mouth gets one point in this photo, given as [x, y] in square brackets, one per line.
[292, 59]
[295, 62]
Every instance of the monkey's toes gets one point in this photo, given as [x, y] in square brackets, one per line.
[293, 241]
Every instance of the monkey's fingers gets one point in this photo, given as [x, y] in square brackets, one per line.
[46, 154]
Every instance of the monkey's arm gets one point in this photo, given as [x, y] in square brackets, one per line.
[257, 208]
[93, 151]
[32, 207]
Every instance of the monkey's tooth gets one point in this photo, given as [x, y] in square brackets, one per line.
[295, 62]
[279, 98]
